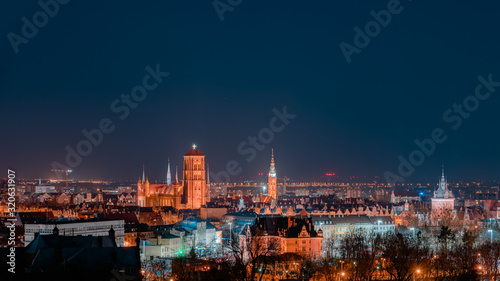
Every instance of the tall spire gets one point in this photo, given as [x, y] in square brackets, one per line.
[271, 179]
[208, 175]
[176, 177]
[442, 181]
[443, 191]
[143, 175]
[272, 170]
[208, 183]
[169, 176]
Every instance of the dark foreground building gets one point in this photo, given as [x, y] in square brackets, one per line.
[57, 257]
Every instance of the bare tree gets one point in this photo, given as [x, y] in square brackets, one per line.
[490, 257]
[158, 269]
[253, 254]
[360, 252]
[463, 258]
[404, 256]
[328, 267]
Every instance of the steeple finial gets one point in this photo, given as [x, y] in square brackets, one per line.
[272, 170]
[169, 176]
[176, 177]
[194, 146]
[208, 174]
[143, 174]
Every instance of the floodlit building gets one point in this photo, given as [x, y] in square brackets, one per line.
[283, 235]
[443, 200]
[192, 193]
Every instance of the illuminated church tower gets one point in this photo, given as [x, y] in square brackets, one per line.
[194, 183]
[443, 198]
[271, 180]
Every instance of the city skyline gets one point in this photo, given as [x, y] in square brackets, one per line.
[161, 174]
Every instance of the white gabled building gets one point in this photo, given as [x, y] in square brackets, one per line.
[337, 227]
[191, 233]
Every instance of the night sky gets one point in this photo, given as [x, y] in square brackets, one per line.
[353, 119]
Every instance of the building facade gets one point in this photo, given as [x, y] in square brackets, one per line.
[192, 193]
[194, 184]
[443, 201]
[280, 235]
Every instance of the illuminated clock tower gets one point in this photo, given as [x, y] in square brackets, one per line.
[271, 180]
[194, 183]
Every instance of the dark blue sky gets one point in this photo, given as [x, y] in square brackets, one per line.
[227, 76]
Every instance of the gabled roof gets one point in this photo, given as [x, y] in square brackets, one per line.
[350, 219]
[284, 226]
[35, 217]
[59, 241]
[126, 217]
[406, 193]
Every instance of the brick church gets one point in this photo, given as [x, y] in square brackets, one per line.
[191, 193]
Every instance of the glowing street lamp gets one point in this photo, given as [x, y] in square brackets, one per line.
[416, 272]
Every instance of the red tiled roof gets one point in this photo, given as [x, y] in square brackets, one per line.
[35, 217]
[194, 152]
[407, 193]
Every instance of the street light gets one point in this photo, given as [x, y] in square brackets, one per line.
[415, 273]
[230, 233]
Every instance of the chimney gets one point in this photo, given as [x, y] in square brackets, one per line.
[112, 235]
[55, 231]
